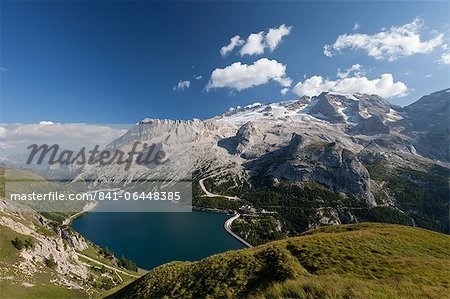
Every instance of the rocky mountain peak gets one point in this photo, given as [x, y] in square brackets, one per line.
[323, 108]
[245, 133]
[430, 113]
[329, 107]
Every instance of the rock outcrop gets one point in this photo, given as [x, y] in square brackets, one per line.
[306, 159]
[370, 126]
[46, 247]
[325, 110]
[427, 122]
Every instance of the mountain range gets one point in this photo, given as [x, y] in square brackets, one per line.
[375, 160]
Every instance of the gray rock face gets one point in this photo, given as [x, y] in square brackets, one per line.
[74, 239]
[246, 134]
[432, 145]
[374, 105]
[166, 131]
[370, 126]
[352, 109]
[327, 163]
[324, 109]
[430, 113]
[68, 265]
[427, 122]
[298, 104]
[247, 137]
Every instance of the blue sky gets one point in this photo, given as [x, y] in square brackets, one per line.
[119, 62]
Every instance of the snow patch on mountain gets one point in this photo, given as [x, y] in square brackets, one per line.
[333, 107]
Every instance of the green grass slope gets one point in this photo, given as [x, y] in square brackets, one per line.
[364, 260]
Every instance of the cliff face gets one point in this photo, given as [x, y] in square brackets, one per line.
[430, 113]
[370, 126]
[427, 122]
[324, 109]
[327, 163]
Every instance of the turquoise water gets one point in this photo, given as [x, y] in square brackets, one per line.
[152, 239]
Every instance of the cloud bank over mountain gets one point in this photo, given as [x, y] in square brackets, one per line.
[383, 86]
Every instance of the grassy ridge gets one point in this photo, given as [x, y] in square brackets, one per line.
[360, 260]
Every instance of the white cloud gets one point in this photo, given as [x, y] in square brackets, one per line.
[445, 58]
[275, 35]
[234, 42]
[69, 136]
[428, 75]
[313, 86]
[46, 122]
[254, 44]
[240, 76]
[389, 44]
[383, 86]
[355, 70]
[284, 91]
[182, 85]
[199, 77]
[356, 26]
[327, 51]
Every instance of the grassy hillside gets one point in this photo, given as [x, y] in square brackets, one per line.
[364, 260]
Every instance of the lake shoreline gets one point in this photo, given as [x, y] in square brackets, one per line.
[201, 235]
[89, 207]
